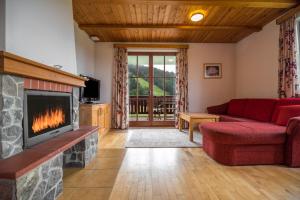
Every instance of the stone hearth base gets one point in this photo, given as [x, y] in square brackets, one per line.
[82, 153]
[45, 181]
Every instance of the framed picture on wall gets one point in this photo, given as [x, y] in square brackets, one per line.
[212, 70]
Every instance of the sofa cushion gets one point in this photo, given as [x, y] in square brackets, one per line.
[284, 102]
[244, 133]
[218, 110]
[228, 118]
[287, 112]
[260, 109]
[236, 107]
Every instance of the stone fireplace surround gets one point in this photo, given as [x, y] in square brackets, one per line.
[41, 179]
[11, 109]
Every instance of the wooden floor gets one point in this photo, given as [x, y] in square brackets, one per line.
[96, 181]
[168, 173]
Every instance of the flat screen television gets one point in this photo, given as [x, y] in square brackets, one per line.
[91, 92]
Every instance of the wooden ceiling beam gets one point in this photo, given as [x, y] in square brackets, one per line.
[288, 14]
[154, 46]
[225, 3]
[180, 27]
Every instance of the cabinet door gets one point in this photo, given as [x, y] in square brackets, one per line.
[101, 117]
[95, 117]
[86, 117]
[107, 117]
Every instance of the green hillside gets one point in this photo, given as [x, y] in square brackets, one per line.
[144, 88]
[157, 91]
[143, 85]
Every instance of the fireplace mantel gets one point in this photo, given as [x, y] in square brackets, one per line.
[16, 65]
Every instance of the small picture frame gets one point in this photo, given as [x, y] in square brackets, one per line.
[212, 70]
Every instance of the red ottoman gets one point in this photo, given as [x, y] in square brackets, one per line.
[244, 143]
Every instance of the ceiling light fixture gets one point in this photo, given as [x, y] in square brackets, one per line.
[95, 38]
[196, 17]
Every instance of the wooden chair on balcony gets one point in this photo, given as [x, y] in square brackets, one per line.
[164, 106]
[158, 110]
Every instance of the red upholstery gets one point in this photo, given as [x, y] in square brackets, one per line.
[284, 102]
[260, 109]
[219, 109]
[244, 133]
[233, 155]
[236, 107]
[256, 109]
[287, 112]
[292, 154]
[240, 143]
[227, 118]
[248, 135]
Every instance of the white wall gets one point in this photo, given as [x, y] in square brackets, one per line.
[257, 64]
[249, 69]
[2, 25]
[85, 52]
[202, 92]
[103, 70]
[42, 31]
[206, 92]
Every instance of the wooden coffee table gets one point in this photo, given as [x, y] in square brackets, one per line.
[195, 118]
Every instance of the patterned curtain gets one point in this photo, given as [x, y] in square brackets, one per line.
[288, 78]
[182, 103]
[120, 90]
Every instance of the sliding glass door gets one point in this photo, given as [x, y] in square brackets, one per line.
[152, 88]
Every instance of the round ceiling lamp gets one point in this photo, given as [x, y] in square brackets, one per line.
[197, 15]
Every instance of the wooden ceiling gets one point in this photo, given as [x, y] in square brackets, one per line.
[169, 20]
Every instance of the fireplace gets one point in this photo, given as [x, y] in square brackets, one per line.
[46, 115]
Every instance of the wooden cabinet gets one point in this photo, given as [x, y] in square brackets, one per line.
[96, 115]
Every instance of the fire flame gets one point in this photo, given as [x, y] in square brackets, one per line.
[49, 119]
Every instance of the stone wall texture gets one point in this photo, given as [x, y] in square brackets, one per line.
[11, 115]
[75, 108]
[82, 153]
[41, 183]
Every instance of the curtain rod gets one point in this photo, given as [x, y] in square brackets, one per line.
[288, 14]
[160, 46]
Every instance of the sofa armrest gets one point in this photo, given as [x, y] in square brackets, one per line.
[219, 109]
[292, 157]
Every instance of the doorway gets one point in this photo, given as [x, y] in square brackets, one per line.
[152, 82]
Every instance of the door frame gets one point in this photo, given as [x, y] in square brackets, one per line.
[151, 122]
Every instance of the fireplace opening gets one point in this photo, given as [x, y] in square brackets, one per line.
[46, 115]
[48, 119]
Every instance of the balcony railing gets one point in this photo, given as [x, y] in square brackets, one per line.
[162, 106]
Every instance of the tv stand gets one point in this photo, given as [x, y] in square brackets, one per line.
[96, 114]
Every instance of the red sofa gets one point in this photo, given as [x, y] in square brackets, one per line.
[254, 132]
